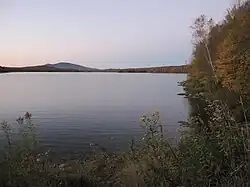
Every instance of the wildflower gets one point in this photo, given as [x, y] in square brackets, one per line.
[20, 120]
[61, 166]
[27, 115]
[47, 153]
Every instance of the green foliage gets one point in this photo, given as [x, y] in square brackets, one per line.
[217, 153]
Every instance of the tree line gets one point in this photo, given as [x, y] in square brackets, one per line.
[220, 65]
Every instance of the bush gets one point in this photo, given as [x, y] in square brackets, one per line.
[216, 156]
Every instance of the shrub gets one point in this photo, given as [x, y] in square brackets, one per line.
[216, 156]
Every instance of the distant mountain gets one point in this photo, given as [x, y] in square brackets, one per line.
[42, 68]
[70, 66]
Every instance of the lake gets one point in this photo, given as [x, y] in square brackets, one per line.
[74, 110]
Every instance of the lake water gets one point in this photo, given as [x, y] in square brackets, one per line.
[74, 110]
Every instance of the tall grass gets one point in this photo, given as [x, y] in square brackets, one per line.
[215, 156]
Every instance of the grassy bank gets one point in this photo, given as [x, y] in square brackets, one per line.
[215, 158]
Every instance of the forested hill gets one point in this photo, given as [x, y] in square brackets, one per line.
[42, 68]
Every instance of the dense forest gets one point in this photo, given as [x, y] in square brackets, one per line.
[220, 67]
[214, 149]
[163, 69]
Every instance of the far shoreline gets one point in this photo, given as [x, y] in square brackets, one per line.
[182, 69]
[93, 72]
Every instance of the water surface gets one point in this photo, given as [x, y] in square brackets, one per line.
[76, 109]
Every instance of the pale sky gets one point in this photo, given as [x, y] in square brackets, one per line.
[101, 33]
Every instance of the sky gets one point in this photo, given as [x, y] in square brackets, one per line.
[101, 33]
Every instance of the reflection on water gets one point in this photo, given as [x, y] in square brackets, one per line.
[75, 109]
